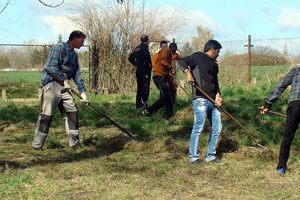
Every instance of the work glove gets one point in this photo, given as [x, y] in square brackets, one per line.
[85, 98]
[173, 71]
[67, 84]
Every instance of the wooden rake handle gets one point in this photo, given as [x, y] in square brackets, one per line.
[230, 116]
[273, 112]
[93, 107]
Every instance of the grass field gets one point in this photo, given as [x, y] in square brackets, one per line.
[112, 166]
[23, 84]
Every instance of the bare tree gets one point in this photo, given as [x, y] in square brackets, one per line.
[113, 31]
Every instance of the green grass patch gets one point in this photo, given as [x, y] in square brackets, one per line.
[112, 166]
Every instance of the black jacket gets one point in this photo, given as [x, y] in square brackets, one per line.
[205, 72]
[141, 58]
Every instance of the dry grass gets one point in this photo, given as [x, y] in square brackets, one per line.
[156, 170]
[119, 168]
[114, 167]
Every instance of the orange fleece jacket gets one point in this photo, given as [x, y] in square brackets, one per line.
[163, 63]
[154, 59]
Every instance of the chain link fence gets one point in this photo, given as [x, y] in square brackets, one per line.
[21, 65]
[252, 61]
[264, 52]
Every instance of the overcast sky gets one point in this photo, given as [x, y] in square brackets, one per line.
[25, 20]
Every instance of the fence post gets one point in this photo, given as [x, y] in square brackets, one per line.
[4, 94]
[44, 54]
[249, 56]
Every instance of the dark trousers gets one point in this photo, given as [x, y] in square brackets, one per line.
[291, 125]
[166, 96]
[143, 88]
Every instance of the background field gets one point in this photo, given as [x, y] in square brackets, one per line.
[111, 166]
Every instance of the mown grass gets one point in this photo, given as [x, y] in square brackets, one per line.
[112, 166]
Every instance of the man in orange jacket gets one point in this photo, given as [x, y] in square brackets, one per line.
[170, 77]
[161, 69]
[163, 44]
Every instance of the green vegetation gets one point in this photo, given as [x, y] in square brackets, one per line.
[112, 166]
[23, 84]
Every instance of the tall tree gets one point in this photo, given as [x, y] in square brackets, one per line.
[203, 35]
[59, 38]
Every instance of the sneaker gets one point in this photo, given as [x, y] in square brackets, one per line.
[37, 148]
[215, 160]
[281, 171]
[146, 112]
[197, 162]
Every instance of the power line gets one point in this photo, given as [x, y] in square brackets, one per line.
[51, 6]
[5, 6]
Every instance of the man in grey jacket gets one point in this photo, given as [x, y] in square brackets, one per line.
[293, 113]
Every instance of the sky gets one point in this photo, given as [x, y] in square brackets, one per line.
[28, 20]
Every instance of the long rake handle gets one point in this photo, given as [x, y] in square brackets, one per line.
[229, 115]
[273, 112]
[93, 107]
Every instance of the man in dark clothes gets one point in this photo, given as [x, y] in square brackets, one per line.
[203, 72]
[141, 59]
[293, 113]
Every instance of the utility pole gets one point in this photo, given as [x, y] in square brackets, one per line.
[249, 56]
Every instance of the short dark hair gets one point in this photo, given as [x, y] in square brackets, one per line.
[144, 38]
[163, 42]
[173, 45]
[212, 44]
[76, 34]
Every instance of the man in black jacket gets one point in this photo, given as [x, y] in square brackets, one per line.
[141, 59]
[203, 72]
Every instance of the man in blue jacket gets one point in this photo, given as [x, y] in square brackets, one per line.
[203, 72]
[62, 61]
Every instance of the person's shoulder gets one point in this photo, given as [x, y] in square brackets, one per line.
[138, 48]
[58, 46]
[198, 55]
[175, 56]
[295, 70]
[166, 50]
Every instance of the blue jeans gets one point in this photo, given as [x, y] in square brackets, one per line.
[204, 108]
